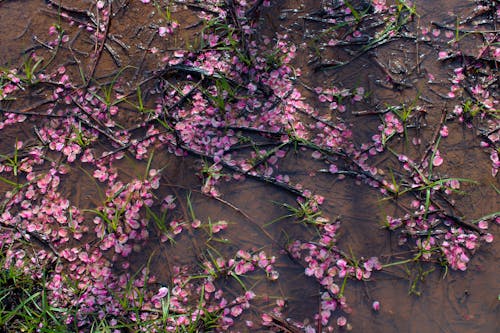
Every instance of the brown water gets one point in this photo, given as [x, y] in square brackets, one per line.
[458, 302]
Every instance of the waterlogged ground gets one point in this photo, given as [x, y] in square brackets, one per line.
[273, 166]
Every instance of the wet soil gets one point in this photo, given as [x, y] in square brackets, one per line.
[448, 302]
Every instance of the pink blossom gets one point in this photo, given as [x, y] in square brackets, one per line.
[438, 160]
[162, 31]
[379, 5]
[162, 292]
[444, 131]
[209, 287]
[196, 224]
[249, 295]
[359, 273]
[333, 168]
[243, 254]
[488, 238]
[52, 30]
[266, 319]
[252, 87]
[221, 225]
[443, 55]
[236, 311]
[483, 225]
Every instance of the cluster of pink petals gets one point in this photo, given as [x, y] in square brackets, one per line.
[95, 277]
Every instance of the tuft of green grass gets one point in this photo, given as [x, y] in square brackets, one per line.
[30, 67]
[25, 306]
[13, 161]
[108, 90]
[306, 212]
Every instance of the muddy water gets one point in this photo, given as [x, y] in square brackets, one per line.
[458, 302]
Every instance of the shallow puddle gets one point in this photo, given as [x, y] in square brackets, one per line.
[254, 213]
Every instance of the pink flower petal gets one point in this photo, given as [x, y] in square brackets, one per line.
[438, 160]
[442, 55]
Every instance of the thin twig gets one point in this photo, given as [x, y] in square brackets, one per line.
[100, 49]
[28, 235]
[29, 110]
[456, 29]
[435, 137]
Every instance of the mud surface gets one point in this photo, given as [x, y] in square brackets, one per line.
[447, 301]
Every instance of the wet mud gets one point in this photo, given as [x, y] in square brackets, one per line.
[414, 297]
